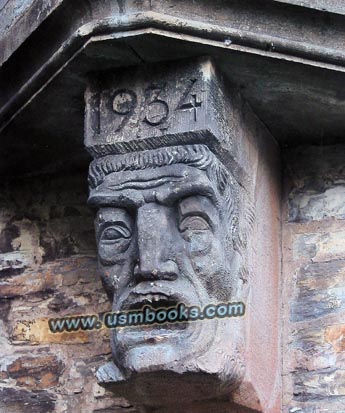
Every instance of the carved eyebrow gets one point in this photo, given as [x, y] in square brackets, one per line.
[108, 216]
[119, 200]
[116, 221]
[131, 198]
[184, 192]
[146, 183]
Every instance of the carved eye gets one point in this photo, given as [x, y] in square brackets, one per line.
[194, 223]
[114, 233]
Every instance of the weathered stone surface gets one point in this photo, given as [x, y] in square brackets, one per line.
[114, 409]
[12, 263]
[104, 401]
[37, 332]
[7, 236]
[20, 285]
[238, 33]
[151, 106]
[35, 237]
[182, 166]
[61, 302]
[46, 225]
[5, 308]
[320, 247]
[333, 6]
[144, 256]
[316, 349]
[335, 335]
[22, 401]
[318, 184]
[38, 372]
[318, 205]
[320, 290]
[314, 268]
[318, 385]
[15, 15]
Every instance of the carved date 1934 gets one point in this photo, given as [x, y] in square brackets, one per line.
[156, 110]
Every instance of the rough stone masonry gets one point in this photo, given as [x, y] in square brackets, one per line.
[47, 269]
[314, 279]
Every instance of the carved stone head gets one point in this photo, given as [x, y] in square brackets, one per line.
[167, 233]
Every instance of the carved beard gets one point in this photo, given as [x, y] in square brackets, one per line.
[225, 355]
[214, 347]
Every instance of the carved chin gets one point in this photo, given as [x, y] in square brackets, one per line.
[193, 348]
[162, 347]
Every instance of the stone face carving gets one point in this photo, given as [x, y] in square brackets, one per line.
[168, 181]
[166, 233]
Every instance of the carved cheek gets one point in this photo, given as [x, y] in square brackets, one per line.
[199, 242]
[116, 264]
[206, 254]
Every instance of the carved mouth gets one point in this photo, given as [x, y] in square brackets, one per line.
[155, 301]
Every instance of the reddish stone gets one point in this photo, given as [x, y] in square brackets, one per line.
[38, 372]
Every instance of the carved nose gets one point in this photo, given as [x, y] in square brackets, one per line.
[155, 244]
[160, 271]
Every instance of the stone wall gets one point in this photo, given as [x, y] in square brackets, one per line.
[48, 269]
[314, 280]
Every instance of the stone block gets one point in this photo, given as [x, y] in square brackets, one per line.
[33, 332]
[157, 105]
[335, 335]
[320, 247]
[320, 291]
[318, 205]
[319, 385]
[142, 107]
[13, 263]
[22, 401]
[29, 283]
[36, 372]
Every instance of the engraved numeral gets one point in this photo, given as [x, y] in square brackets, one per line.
[189, 100]
[157, 110]
[124, 103]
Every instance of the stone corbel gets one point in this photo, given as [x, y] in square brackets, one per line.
[185, 180]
